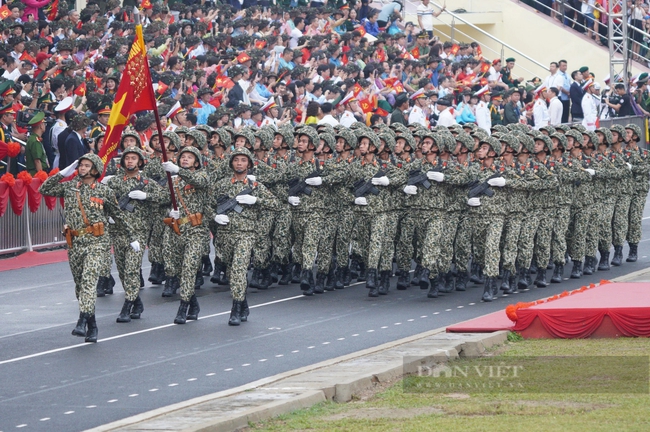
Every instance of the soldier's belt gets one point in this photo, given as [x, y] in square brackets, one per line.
[96, 230]
[194, 219]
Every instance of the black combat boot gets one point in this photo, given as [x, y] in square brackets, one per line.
[603, 265]
[125, 313]
[319, 287]
[371, 282]
[286, 275]
[235, 313]
[275, 277]
[255, 278]
[156, 276]
[168, 290]
[363, 272]
[558, 272]
[461, 280]
[590, 264]
[91, 334]
[425, 283]
[331, 278]
[488, 295]
[533, 266]
[449, 282]
[523, 278]
[137, 309]
[176, 284]
[295, 275]
[481, 276]
[551, 264]
[474, 276]
[193, 312]
[108, 288]
[216, 276]
[265, 280]
[304, 279]
[354, 269]
[495, 288]
[540, 280]
[207, 265]
[181, 315]
[198, 281]
[245, 311]
[347, 276]
[632, 255]
[433, 286]
[340, 276]
[141, 280]
[440, 284]
[505, 283]
[618, 256]
[80, 329]
[512, 284]
[576, 272]
[101, 287]
[417, 275]
[384, 282]
[403, 280]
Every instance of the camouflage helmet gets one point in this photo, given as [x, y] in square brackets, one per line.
[173, 138]
[389, 141]
[562, 139]
[448, 142]
[224, 137]
[471, 126]
[129, 131]
[204, 128]
[547, 141]
[135, 150]
[407, 136]
[510, 139]
[494, 143]
[636, 130]
[325, 128]
[621, 131]
[576, 135]
[286, 133]
[182, 130]
[500, 128]
[579, 127]
[241, 151]
[398, 127]
[562, 128]
[95, 160]
[466, 141]
[548, 129]
[266, 140]
[365, 132]
[348, 136]
[247, 134]
[328, 139]
[593, 137]
[526, 142]
[195, 152]
[199, 139]
[357, 125]
[311, 133]
[609, 138]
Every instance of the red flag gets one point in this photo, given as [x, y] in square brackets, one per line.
[25, 56]
[135, 93]
[365, 105]
[260, 44]
[54, 11]
[356, 89]
[416, 52]
[485, 67]
[479, 52]
[399, 88]
[5, 12]
[81, 90]
[382, 112]
[196, 104]
[381, 55]
[162, 87]
[224, 81]
[390, 82]
[454, 49]
[361, 30]
[344, 59]
[146, 4]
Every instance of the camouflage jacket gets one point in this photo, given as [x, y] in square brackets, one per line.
[247, 220]
[337, 178]
[624, 185]
[497, 204]
[519, 181]
[640, 160]
[320, 199]
[583, 185]
[607, 175]
[546, 188]
[435, 197]
[454, 187]
[192, 190]
[383, 202]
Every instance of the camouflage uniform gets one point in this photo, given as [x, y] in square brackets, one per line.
[581, 209]
[153, 170]
[640, 160]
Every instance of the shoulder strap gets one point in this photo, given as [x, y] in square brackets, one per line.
[180, 198]
[83, 212]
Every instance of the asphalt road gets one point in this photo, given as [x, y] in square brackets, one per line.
[52, 381]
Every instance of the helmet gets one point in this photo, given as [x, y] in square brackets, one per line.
[95, 160]
[329, 139]
[500, 128]
[577, 136]
[636, 130]
[579, 127]
[204, 128]
[241, 151]
[174, 138]
[365, 132]
[508, 138]
[195, 152]
[466, 141]
[562, 128]
[494, 143]
[135, 150]
[388, 140]
[593, 137]
[311, 133]
[620, 129]
[224, 136]
[561, 138]
[129, 131]
[471, 126]
[609, 138]
[287, 135]
[408, 137]
[199, 139]
[349, 137]
[247, 134]
[265, 138]
[549, 129]
[182, 130]
[547, 141]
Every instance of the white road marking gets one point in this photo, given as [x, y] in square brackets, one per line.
[245, 364]
[356, 334]
[21, 425]
[262, 360]
[370, 331]
[227, 370]
[436, 313]
[153, 390]
[423, 316]
[175, 384]
[341, 339]
[459, 307]
[293, 352]
[411, 320]
[326, 343]
[112, 400]
[279, 355]
[91, 406]
[134, 395]
[68, 412]
[384, 327]
[210, 374]
[310, 347]
[44, 419]
[447, 310]
[191, 379]
[398, 323]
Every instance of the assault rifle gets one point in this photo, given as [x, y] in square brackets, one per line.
[417, 178]
[477, 189]
[225, 204]
[361, 188]
[125, 202]
[298, 186]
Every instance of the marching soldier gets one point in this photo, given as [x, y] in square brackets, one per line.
[640, 161]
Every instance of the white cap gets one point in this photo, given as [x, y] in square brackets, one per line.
[64, 105]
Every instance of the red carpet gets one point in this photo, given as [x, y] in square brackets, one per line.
[605, 311]
[33, 259]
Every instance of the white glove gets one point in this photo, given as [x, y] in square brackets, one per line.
[111, 221]
[591, 171]
[361, 201]
[380, 181]
[410, 190]
[106, 179]
[474, 202]
[222, 219]
[497, 182]
[251, 177]
[294, 201]
[314, 181]
[136, 246]
[175, 214]
[435, 176]
[170, 167]
[629, 165]
[137, 195]
[246, 199]
[67, 171]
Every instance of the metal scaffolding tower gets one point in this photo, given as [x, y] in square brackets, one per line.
[618, 40]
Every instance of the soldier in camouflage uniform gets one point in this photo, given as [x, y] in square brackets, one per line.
[620, 158]
[640, 161]
[88, 205]
[189, 225]
[144, 195]
[238, 231]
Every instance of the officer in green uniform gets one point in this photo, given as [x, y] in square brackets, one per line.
[35, 157]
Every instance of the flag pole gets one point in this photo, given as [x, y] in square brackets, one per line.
[161, 141]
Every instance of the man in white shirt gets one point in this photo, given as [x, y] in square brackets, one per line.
[426, 14]
[326, 108]
[589, 107]
[494, 75]
[448, 114]
[555, 107]
[540, 109]
[418, 115]
[12, 72]
[296, 33]
[349, 103]
[483, 119]
[59, 126]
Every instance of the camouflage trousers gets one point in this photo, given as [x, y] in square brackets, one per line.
[370, 238]
[592, 233]
[216, 243]
[156, 239]
[621, 219]
[171, 253]
[450, 225]
[406, 239]
[282, 236]
[262, 246]
[432, 243]
[86, 257]
[577, 232]
[605, 222]
[510, 240]
[543, 240]
[386, 263]
[526, 242]
[190, 247]
[343, 232]
[560, 218]
[129, 263]
[237, 248]
[326, 244]
[106, 264]
[635, 217]
[463, 241]
[487, 239]
[308, 229]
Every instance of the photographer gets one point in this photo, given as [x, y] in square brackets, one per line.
[619, 101]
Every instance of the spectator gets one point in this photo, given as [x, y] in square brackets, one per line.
[576, 93]
[426, 13]
[555, 107]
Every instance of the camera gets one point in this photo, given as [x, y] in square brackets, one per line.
[23, 117]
